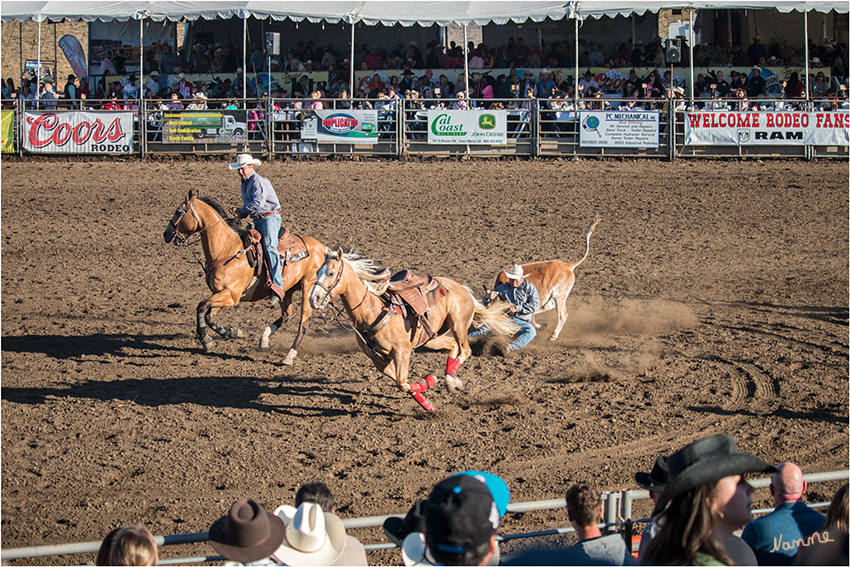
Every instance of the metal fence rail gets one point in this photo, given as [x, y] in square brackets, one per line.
[536, 128]
[617, 512]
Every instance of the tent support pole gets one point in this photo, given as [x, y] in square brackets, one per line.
[351, 92]
[806, 40]
[465, 62]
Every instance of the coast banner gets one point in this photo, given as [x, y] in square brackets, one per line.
[720, 128]
[468, 127]
[71, 132]
[7, 131]
[619, 129]
[341, 126]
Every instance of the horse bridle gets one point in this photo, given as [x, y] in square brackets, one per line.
[328, 290]
[181, 212]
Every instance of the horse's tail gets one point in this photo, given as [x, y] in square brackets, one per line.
[587, 238]
[494, 318]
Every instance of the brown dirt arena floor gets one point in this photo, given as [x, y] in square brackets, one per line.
[714, 299]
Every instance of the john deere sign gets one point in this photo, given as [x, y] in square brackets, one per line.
[468, 127]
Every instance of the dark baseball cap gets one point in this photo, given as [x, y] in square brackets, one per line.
[460, 515]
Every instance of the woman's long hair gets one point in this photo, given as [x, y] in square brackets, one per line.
[686, 527]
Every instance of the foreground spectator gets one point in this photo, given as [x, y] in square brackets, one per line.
[838, 513]
[317, 492]
[247, 534]
[461, 521]
[706, 501]
[312, 537]
[775, 537]
[131, 545]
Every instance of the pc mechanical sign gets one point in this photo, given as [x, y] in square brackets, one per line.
[341, 127]
[468, 127]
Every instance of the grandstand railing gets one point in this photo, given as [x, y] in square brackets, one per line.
[536, 128]
[617, 512]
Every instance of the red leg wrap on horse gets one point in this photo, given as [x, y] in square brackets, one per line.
[452, 364]
[420, 386]
[423, 401]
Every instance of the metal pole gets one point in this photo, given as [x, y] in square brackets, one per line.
[806, 40]
[729, 29]
[21, 48]
[55, 58]
[465, 62]
[351, 91]
[691, 39]
[244, 60]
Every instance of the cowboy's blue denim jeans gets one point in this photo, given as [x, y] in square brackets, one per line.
[526, 333]
[269, 227]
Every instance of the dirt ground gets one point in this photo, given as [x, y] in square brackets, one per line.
[714, 299]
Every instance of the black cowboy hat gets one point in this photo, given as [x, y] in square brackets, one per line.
[704, 462]
[655, 481]
[396, 529]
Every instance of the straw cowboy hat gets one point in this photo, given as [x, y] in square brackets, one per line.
[657, 479]
[705, 462]
[515, 273]
[244, 159]
[247, 533]
[312, 537]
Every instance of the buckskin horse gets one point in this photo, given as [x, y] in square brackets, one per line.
[386, 335]
[232, 278]
[554, 281]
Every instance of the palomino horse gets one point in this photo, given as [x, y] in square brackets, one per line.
[554, 280]
[230, 276]
[388, 338]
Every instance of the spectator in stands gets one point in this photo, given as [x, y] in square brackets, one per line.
[132, 545]
[756, 85]
[169, 61]
[48, 95]
[775, 537]
[185, 88]
[199, 102]
[131, 89]
[520, 52]
[719, 85]
[247, 534]
[317, 492]
[586, 83]
[756, 50]
[461, 519]
[706, 500]
[107, 66]
[119, 61]
[545, 84]
[153, 84]
[150, 64]
[793, 87]
[71, 91]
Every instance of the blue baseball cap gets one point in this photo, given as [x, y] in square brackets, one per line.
[497, 487]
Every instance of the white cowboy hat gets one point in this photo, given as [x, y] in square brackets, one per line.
[515, 273]
[199, 95]
[241, 161]
[415, 552]
[312, 537]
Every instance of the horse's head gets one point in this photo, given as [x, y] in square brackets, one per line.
[327, 281]
[182, 224]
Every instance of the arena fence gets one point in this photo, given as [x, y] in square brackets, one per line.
[617, 513]
[535, 128]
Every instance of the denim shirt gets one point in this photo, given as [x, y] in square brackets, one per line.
[259, 197]
[525, 298]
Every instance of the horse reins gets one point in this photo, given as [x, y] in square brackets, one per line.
[185, 239]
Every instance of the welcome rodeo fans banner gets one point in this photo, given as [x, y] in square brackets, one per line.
[341, 126]
[78, 132]
[767, 128]
[468, 127]
[617, 129]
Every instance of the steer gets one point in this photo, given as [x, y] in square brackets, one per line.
[554, 280]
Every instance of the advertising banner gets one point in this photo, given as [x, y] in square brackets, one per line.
[636, 129]
[72, 132]
[468, 127]
[767, 128]
[204, 127]
[7, 131]
[341, 126]
[73, 51]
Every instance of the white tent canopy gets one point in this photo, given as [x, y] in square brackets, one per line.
[373, 12]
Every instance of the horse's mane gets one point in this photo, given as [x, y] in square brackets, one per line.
[231, 222]
[370, 272]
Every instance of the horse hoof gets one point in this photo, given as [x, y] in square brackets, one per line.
[290, 358]
[453, 383]
[553, 338]
[264, 338]
[240, 334]
[207, 345]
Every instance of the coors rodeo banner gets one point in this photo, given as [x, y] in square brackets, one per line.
[72, 132]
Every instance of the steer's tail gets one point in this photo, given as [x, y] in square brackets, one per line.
[587, 238]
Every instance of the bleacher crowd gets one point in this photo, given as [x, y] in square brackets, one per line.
[527, 76]
[701, 500]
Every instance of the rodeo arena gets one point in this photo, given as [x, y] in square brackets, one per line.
[425, 283]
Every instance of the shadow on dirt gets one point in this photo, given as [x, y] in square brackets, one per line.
[824, 414]
[98, 344]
